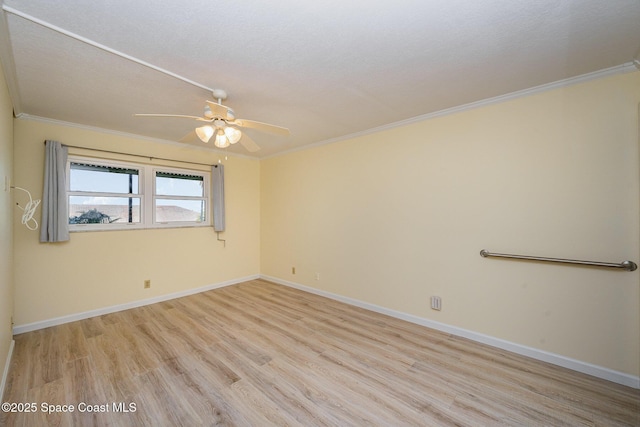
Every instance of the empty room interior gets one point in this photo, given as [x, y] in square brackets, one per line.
[320, 213]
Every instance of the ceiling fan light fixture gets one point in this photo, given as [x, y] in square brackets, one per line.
[232, 134]
[204, 133]
[223, 125]
[221, 139]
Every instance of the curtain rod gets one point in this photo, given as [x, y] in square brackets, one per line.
[138, 155]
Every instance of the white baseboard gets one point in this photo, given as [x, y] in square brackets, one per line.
[20, 329]
[556, 359]
[5, 372]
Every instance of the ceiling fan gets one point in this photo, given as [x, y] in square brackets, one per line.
[223, 124]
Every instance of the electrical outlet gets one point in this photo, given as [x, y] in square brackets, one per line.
[293, 270]
[436, 303]
[317, 276]
[147, 284]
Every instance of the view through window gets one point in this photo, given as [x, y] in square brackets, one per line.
[113, 195]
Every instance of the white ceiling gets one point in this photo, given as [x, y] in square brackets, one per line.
[325, 69]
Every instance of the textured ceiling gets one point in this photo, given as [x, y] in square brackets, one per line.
[323, 69]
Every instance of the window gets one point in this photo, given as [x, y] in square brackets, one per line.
[105, 195]
[179, 197]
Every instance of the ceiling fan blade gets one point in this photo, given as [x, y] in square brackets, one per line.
[264, 127]
[249, 143]
[202, 119]
[190, 138]
[219, 110]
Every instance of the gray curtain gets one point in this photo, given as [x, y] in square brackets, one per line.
[217, 196]
[55, 218]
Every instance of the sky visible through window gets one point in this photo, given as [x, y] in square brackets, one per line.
[178, 187]
[108, 182]
[101, 182]
[119, 193]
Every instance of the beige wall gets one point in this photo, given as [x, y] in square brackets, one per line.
[95, 270]
[397, 216]
[389, 219]
[6, 231]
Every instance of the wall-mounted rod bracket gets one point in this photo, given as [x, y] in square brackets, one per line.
[624, 265]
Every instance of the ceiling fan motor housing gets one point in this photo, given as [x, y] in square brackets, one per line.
[224, 125]
[219, 94]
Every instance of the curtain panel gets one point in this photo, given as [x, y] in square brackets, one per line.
[54, 226]
[217, 197]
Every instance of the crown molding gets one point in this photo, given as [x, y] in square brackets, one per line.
[29, 117]
[628, 67]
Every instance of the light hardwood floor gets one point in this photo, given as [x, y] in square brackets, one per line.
[258, 354]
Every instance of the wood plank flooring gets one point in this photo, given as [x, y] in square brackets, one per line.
[259, 354]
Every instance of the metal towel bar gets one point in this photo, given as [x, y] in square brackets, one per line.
[625, 265]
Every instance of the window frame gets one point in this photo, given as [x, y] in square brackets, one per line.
[146, 194]
[205, 197]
